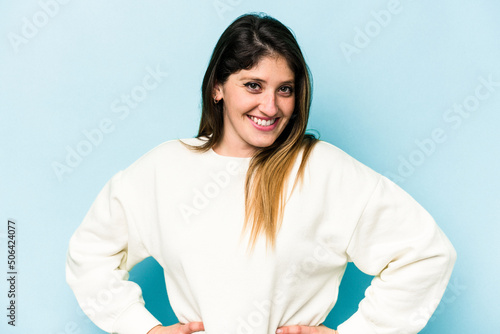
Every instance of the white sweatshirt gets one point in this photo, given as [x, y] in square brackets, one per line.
[186, 209]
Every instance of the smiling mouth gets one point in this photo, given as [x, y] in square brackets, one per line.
[263, 122]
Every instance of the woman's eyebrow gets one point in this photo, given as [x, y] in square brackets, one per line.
[290, 82]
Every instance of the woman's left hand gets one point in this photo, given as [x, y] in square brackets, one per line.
[321, 329]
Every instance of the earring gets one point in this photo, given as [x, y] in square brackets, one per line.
[216, 101]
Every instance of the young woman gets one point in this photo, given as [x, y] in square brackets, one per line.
[253, 220]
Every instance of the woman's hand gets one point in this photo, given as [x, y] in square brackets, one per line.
[321, 329]
[179, 328]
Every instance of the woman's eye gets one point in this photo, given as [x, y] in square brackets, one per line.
[252, 85]
[286, 89]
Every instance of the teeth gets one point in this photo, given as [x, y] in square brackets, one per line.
[262, 122]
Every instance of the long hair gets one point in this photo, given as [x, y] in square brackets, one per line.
[247, 40]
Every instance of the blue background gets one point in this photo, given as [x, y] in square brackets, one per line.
[65, 66]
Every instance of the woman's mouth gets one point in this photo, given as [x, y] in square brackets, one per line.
[263, 124]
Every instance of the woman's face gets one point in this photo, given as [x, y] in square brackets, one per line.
[258, 104]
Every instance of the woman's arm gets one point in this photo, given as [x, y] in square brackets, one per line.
[101, 252]
[399, 243]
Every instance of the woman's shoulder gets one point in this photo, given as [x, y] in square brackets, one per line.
[332, 160]
[329, 153]
[167, 153]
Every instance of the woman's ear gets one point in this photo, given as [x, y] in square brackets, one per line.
[217, 93]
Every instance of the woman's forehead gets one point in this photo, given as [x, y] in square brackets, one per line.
[268, 67]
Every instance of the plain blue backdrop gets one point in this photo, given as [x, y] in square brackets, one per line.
[409, 88]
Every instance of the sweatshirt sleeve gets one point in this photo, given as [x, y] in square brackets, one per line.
[399, 243]
[100, 254]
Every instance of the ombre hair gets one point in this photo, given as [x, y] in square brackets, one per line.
[241, 46]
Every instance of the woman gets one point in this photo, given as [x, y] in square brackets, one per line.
[253, 220]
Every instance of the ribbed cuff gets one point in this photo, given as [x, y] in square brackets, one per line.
[136, 319]
[356, 324]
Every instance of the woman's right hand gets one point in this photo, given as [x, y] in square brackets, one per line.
[178, 328]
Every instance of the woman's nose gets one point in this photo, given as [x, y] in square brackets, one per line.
[268, 104]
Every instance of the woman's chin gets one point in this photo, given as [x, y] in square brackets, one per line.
[263, 143]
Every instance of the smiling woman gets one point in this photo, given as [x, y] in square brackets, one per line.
[258, 103]
[252, 252]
